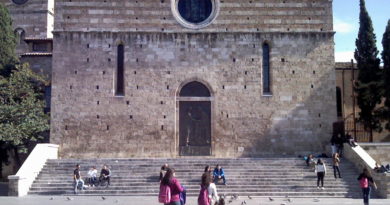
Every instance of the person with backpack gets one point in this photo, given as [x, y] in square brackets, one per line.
[203, 198]
[321, 171]
[336, 163]
[170, 189]
[366, 181]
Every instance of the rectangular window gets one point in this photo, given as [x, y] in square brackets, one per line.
[266, 70]
[120, 81]
[39, 47]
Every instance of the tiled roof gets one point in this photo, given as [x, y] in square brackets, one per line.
[38, 39]
[38, 54]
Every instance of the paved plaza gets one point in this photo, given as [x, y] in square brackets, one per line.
[125, 200]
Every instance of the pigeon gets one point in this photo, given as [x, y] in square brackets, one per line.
[104, 198]
[51, 198]
[235, 196]
[316, 200]
[282, 204]
[243, 203]
[116, 201]
[289, 200]
[230, 201]
[249, 197]
[271, 199]
[69, 198]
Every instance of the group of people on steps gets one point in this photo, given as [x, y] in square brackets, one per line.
[171, 191]
[92, 180]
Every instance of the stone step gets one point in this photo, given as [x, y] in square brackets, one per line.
[139, 177]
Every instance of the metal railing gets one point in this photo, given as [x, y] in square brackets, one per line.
[362, 135]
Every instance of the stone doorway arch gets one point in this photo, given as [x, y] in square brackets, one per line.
[195, 119]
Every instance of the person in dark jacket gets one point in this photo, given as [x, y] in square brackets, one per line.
[163, 170]
[219, 174]
[366, 181]
[105, 174]
[339, 144]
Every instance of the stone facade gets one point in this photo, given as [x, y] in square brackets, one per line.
[162, 56]
[32, 20]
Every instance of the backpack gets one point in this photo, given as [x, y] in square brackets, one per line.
[164, 195]
[363, 182]
[203, 198]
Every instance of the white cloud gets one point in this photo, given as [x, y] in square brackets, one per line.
[343, 27]
[344, 56]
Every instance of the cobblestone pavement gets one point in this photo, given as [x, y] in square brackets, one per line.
[124, 200]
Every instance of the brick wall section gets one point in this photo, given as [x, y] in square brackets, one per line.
[39, 64]
[296, 118]
[378, 151]
[31, 16]
[152, 15]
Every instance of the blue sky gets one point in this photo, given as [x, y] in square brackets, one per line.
[346, 24]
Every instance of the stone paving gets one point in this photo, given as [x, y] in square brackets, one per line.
[123, 200]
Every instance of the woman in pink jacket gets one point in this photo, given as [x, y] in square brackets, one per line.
[174, 184]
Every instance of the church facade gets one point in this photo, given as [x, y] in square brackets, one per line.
[171, 78]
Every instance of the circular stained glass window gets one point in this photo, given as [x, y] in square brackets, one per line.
[195, 14]
[195, 11]
[19, 1]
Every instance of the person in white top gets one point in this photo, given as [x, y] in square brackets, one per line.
[321, 171]
[213, 194]
[92, 176]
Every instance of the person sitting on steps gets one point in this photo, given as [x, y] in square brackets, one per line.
[310, 161]
[105, 175]
[219, 174]
[92, 177]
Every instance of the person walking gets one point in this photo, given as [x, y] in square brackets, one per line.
[366, 181]
[170, 180]
[321, 171]
[208, 191]
[336, 163]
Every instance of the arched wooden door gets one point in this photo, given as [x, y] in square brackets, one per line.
[195, 120]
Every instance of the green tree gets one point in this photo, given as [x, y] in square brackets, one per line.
[7, 42]
[386, 77]
[22, 117]
[368, 84]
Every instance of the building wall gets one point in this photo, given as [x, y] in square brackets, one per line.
[33, 17]
[245, 123]
[39, 64]
[155, 16]
[161, 55]
[344, 81]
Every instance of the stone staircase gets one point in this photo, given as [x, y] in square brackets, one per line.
[245, 176]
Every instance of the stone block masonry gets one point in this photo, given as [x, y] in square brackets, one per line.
[161, 56]
[89, 121]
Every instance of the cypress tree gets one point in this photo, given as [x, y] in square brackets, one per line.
[7, 42]
[368, 85]
[386, 69]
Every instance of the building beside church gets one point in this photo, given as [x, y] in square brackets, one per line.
[186, 78]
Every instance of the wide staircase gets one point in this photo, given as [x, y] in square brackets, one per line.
[245, 177]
